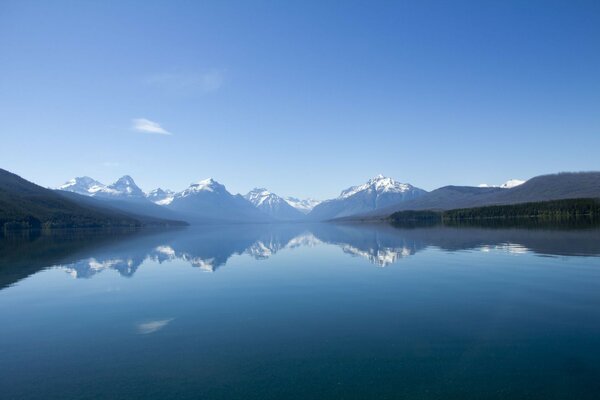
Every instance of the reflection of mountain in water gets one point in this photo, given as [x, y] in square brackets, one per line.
[380, 244]
[209, 248]
[92, 266]
[206, 249]
[380, 256]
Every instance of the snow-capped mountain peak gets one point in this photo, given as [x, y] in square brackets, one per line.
[303, 205]
[379, 184]
[377, 192]
[160, 196]
[205, 185]
[208, 184]
[126, 186]
[80, 181]
[208, 200]
[272, 204]
[125, 180]
[82, 185]
[260, 196]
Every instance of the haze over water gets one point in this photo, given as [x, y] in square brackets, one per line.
[302, 312]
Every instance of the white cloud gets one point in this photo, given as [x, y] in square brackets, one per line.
[180, 83]
[146, 126]
[152, 326]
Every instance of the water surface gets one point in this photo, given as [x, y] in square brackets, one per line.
[301, 312]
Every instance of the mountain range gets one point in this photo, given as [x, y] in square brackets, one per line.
[566, 185]
[208, 201]
[203, 201]
[26, 205]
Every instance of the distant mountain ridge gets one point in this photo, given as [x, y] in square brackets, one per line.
[566, 185]
[124, 195]
[25, 205]
[209, 201]
[124, 187]
[509, 184]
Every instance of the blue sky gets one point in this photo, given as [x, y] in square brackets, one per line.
[304, 98]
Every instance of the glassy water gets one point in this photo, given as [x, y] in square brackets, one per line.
[302, 312]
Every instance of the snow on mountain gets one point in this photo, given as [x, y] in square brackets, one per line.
[303, 205]
[512, 183]
[206, 185]
[379, 184]
[272, 205]
[122, 195]
[124, 187]
[376, 193]
[160, 196]
[506, 185]
[83, 185]
[209, 201]
[260, 196]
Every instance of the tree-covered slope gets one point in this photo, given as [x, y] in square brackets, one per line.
[555, 209]
[26, 205]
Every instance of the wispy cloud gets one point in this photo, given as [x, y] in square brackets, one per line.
[110, 164]
[152, 326]
[146, 126]
[186, 83]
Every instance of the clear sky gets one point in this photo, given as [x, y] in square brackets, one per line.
[304, 98]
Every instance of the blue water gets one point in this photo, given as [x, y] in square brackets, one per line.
[301, 312]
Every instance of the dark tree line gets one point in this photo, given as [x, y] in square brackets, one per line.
[554, 209]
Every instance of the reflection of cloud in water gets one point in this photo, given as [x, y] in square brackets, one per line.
[145, 328]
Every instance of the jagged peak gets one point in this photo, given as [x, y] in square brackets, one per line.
[208, 182]
[259, 190]
[124, 180]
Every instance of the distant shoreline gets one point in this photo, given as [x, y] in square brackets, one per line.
[567, 209]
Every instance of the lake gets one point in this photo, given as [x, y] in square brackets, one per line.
[300, 311]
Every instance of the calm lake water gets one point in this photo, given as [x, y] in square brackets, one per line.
[302, 312]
